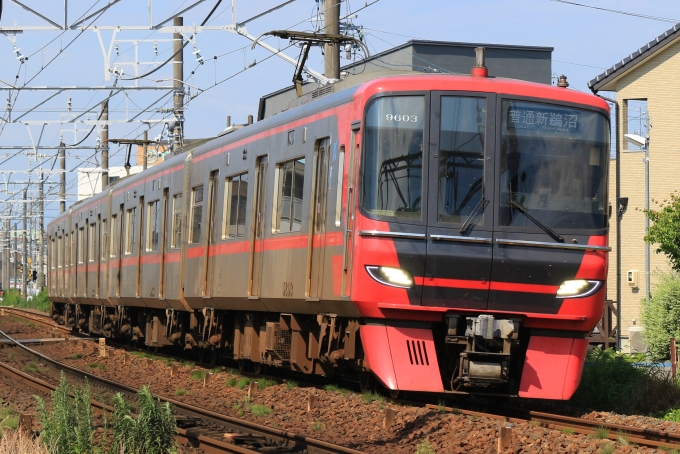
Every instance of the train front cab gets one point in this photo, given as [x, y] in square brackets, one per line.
[481, 239]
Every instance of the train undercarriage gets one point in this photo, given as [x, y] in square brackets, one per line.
[473, 354]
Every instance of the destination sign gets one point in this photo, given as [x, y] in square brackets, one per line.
[543, 120]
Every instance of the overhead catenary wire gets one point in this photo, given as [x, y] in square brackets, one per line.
[626, 13]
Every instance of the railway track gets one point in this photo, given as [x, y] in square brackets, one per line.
[197, 427]
[642, 437]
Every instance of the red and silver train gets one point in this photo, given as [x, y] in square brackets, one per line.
[440, 233]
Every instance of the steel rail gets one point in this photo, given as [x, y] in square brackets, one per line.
[644, 437]
[289, 439]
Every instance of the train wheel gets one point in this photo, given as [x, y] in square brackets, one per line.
[258, 368]
[242, 365]
[365, 381]
[394, 393]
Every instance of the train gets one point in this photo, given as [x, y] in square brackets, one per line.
[449, 236]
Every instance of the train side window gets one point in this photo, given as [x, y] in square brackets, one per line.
[152, 226]
[81, 245]
[114, 236]
[130, 230]
[235, 199]
[104, 240]
[196, 214]
[288, 208]
[60, 252]
[339, 185]
[52, 254]
[90, 242]
[176, 221]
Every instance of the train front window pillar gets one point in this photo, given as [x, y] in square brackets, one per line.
[392, 164]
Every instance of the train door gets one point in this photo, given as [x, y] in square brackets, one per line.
[257, 230]
[210, 235]
[460, 222]
[317, 233]
[140, 245]
[121, 232]
[352, 152]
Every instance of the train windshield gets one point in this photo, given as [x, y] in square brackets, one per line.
[391, 172]
[554, 166]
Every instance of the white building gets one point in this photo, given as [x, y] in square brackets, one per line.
[90, 183]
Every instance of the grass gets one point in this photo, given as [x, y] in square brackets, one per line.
[31, 368]
[234, 372]
[370, 397]
[75, 356]
[98, 366]
[424, 448]
[630, 388]
[602, 433]
[242, 382]
[40, 302]
[259, 410]
[317, 426]
[608, 448]
[290, 384]
[11, 357]
[623, 438]
[332, 388]
[441, 407]
[230, 383]
[8, 420]
[568, 430]
[198, 374]
[180, 392]
[16, 441]
[264, 383]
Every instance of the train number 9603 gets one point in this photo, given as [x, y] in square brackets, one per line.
[399, 117]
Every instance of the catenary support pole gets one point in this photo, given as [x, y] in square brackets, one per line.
[332, 51]
[16, 258]
[24, 244]
[41, 238]
[62, 178]
[105, 144]
[178, 78]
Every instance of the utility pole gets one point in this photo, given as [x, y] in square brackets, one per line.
[5, 257]
[145, 148]
[24, 253]
[105, 144]
[331, 19]
[178, 85]
[41, 227]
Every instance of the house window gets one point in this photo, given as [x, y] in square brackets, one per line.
[196, 214]
[235, 199]
[288, 208]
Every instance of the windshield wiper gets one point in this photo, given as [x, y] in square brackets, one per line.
[466, 225]
[543, 227]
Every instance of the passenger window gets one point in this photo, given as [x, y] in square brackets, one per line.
[338, 186]
[104, 240]
[52, 254]
[91, 242]
[130, 230]
[461, 158]
[81, 245]
[288, 208]
[114, 236]
[152, 226]
[392, 166]
[176, 239]
[196, 214]
[235, 199]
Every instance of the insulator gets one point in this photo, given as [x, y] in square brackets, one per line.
[155, 47]
[117, 49]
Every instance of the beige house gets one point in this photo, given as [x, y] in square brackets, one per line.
[648, 97]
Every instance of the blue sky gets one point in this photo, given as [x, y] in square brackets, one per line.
[586, 41]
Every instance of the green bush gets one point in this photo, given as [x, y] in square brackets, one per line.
[153, 431]
[69, 424]
[661, 318]
[617, 382]
[40, 301]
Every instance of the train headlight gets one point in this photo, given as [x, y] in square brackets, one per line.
[394, 277]
[578, 288]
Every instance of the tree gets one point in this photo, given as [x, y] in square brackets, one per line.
[665, 230]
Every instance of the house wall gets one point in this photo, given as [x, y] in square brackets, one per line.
[654, 80]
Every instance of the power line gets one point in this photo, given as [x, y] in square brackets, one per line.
[626, 13]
